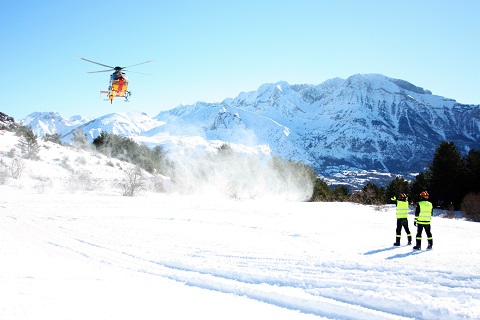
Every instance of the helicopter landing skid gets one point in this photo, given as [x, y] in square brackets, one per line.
[127, 95]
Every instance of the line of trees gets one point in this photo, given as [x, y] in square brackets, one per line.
[449, 178]
[452, 180]
[122, 148]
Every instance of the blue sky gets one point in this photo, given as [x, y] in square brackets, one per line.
[212, 50]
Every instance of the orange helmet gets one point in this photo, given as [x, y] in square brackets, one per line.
[402, 196]
[424, 194]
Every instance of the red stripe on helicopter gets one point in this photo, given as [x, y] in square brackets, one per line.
[120, 85]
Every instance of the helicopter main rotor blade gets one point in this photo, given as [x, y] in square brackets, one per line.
[147, 74]
[110, 70]
[100, 64]
[138, 64]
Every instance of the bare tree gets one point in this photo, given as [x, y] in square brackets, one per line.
[471, 206]
[132, 182]
[82, 180]
[3, 172]
[16, 168]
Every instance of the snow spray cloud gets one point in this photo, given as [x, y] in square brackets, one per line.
[239, 175]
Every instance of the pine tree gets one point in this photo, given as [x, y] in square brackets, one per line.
[101, 141]
[447, 173]
[340, 193]
[397, 186]
[370, 194]
[472, 171]
[28, 143]
[55, 138]
[79, 139]
[421, 183]
[321, 191]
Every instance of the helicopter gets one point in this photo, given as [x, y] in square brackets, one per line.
[118, 80]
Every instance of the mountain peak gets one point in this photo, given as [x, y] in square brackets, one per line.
[381, 81]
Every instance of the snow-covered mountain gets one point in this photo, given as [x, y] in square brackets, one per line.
[43, 123]
[364, 122]
[123, 123]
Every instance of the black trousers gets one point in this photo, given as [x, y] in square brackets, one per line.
[420, 228]
[402, 223]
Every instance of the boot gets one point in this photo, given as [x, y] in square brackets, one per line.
[397, 242]
[409, 240]
[418, 246]
[430, 244]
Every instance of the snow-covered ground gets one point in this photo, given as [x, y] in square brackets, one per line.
[99, 255]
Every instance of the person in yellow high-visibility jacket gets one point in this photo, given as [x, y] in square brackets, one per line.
[402, 218]
[423, 216]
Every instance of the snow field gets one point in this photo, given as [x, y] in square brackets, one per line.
[164, 256]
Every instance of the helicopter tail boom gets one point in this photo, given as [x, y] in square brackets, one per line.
[110, 95]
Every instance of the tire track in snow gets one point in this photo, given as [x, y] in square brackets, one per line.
[335, 289]
[284, 296]
[276, 292]
[349, 288]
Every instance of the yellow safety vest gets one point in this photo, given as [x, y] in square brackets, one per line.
[402, 209]
[425, 214]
